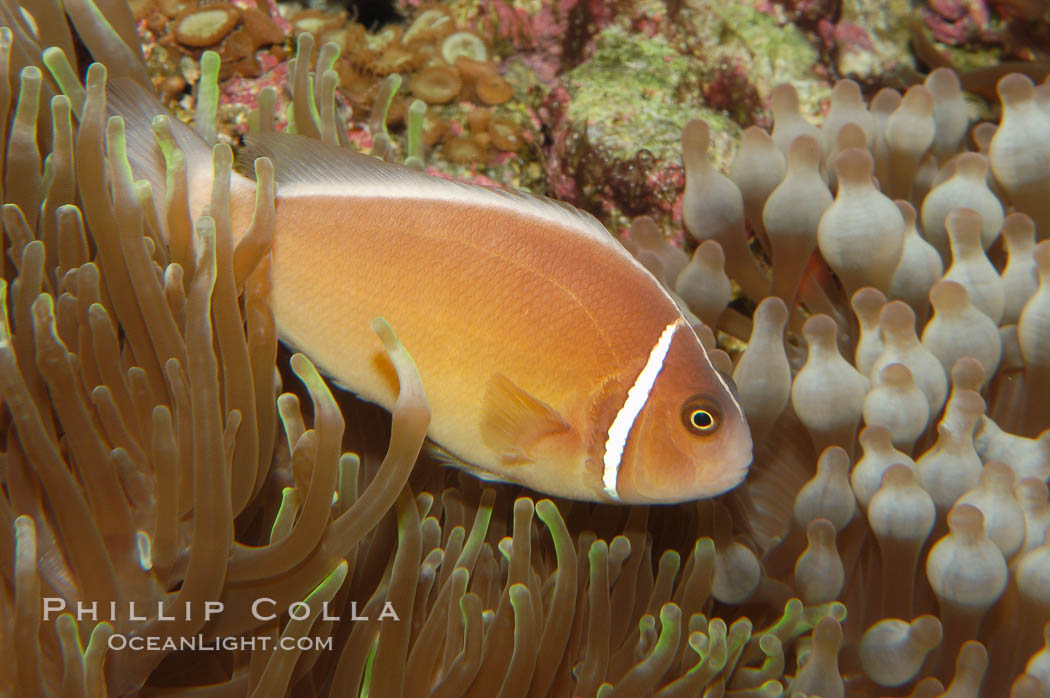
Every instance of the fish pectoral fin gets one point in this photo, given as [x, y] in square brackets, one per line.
[513, 421]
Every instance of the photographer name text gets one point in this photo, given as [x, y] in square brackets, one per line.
[262, 609]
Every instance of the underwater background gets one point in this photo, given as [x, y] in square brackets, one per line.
[851, 200]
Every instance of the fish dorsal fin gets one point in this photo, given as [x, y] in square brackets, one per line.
[305, 165]
[138, 107]
[513, 420]
[301, 160]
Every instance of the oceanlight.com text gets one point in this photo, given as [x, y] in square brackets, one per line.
[199, 643]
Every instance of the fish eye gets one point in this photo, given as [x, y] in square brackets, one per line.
[700, 417]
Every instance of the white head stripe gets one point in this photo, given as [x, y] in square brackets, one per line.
[722, 382]
[637, 396]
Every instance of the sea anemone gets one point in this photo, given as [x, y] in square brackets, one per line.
[316, 22]
[436, 85]
[432, 22]
[463, 43]
[505, 134]
[464, 150]
[493, 89]
[156, 448]
[199, 27]
[396, 58]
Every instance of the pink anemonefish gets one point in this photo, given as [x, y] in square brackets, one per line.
[550, 357]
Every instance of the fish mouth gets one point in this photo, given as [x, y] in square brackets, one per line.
[740, 474]
[732, 477]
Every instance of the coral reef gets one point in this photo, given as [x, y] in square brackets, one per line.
[160, 453]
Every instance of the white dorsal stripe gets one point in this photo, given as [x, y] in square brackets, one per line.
[307, 167]
[637, 396]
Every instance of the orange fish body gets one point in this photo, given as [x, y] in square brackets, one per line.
[550, 357]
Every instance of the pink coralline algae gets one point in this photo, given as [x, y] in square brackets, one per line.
[727, 88]
[241, 92]
[844, 35]
[554, 111]
[525, 30]
[590, 177]
[957, 22]
[805, 13]
[554, 38]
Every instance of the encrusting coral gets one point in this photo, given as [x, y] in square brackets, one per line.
[156, 450]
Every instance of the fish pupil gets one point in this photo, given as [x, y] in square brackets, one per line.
[702, 419]
[700, 415]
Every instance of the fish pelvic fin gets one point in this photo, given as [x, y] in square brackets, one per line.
[513, 421]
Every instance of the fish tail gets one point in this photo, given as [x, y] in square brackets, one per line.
[139, 108]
